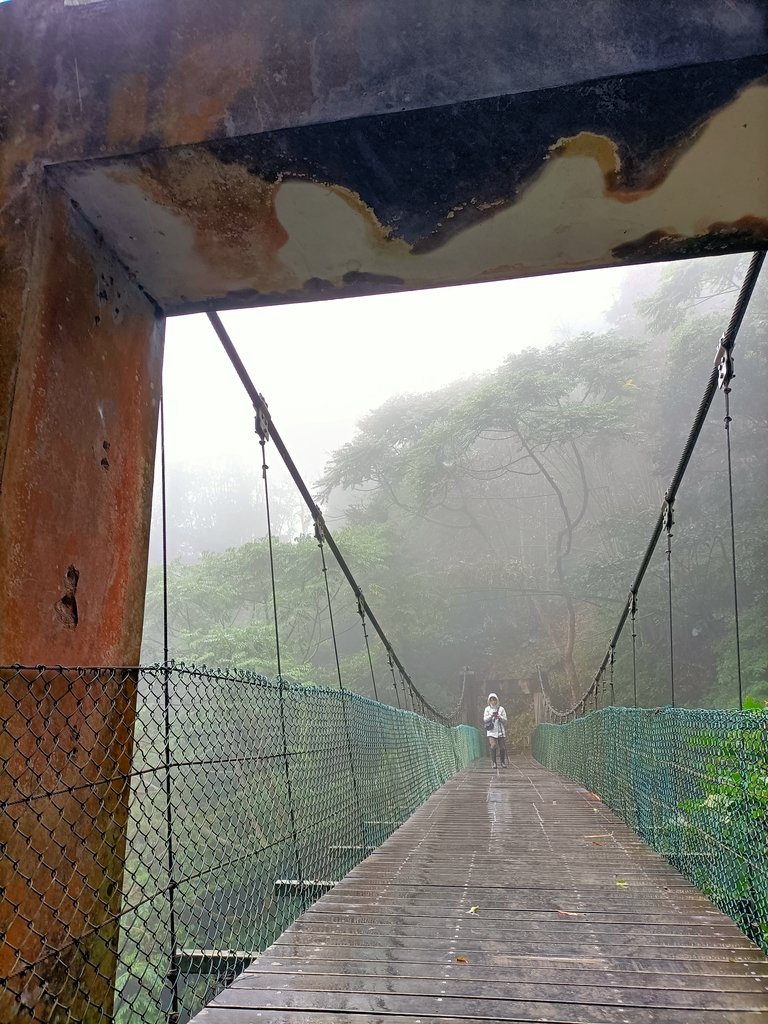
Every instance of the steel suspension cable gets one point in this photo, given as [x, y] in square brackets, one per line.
[722, 357]
[262, 414]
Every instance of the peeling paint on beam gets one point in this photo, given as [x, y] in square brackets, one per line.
[202, 227]
[428, 172]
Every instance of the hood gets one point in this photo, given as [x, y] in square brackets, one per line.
[493, 695]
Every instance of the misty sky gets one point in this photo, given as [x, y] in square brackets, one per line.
[323, 365]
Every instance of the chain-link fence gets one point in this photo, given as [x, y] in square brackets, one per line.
[161, 826]
[692, 783]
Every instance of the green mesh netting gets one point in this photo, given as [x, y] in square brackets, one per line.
[692, 783]
[165, 872]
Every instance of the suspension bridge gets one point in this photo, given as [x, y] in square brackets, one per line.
[181, 843]
[304, 854]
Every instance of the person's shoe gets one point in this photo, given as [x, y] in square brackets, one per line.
[505, 764]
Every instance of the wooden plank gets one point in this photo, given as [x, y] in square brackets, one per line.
[479, 925]
[573, 975]
[239, 1015]
[577, 922]
[576, 955]
[348, 1010]
[495, 988]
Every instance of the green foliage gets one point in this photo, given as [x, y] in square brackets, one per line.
[693, 784]
[734, 807]
[266, 783]
[220, 608]
[499, 522]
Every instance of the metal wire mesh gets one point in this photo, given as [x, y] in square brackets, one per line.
[163, 825]
[692, 783]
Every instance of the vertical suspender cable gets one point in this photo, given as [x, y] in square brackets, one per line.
[668, 524]
[633, 612]
[724, 366]
[394, 680]
[262, 432]
[613, 691]
[727, 393]
[361, 613]
[345, 716]
[264, 468]
[319, 535]
[173, 971]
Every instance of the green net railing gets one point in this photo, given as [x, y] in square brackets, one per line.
[175, 821]
[692, 783]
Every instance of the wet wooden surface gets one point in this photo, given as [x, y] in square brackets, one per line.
[576, 921]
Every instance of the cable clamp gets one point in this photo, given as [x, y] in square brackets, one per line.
[320, 530]
[724, 364]
[262, 419]
[668, 515]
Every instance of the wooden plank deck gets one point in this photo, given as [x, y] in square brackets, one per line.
[577, 921]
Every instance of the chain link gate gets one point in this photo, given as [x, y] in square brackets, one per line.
[150, 854]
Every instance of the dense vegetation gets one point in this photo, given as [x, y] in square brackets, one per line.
[498, 522]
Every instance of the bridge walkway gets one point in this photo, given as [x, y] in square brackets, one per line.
[508, 896]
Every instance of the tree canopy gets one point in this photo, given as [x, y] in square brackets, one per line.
[499, 521]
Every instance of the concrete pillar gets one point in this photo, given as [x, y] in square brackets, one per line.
[74, 523]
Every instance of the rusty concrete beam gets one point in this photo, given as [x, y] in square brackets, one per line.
[77, 486]
[561, 179]
[121, 78]
[74, 524]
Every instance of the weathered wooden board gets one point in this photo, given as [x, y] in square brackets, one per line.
[509, 896]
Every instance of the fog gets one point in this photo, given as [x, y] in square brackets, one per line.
[491, 459]
[322, 366]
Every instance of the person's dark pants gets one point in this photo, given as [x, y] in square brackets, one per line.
[498, 743]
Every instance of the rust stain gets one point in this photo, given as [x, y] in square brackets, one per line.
[227, 65]
[599, 148]
[19, 209]
[720, 237]
[605, 151]
[127, 119]
[566, 218]
[750, 225]
[78, 721]
[71, 531]
[236, 233]
[103, 351]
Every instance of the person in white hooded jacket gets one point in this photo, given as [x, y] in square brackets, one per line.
[494, 720]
